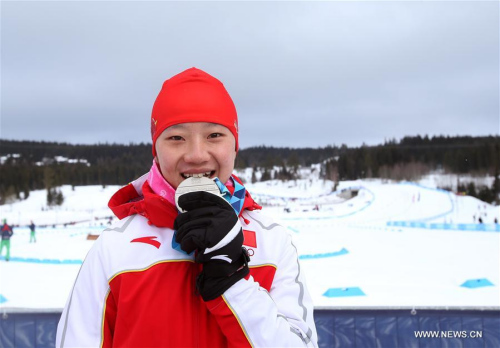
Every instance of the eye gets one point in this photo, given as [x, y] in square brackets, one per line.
[215, 135]
[175, 138]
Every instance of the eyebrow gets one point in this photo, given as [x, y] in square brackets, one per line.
[182, 125]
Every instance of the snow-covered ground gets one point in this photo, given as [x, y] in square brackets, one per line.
[393, 245]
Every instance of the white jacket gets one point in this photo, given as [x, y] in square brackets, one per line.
[135, 290]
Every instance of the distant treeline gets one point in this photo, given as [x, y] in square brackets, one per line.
[419, 155]
[36, 166]
[113, 164]
[473, 155]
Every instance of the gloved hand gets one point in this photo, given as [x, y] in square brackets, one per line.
[211, 226]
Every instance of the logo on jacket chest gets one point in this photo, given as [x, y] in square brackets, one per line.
[151, 240]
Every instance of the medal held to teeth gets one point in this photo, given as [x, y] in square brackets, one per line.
[193, 184]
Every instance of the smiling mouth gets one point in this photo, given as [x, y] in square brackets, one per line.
[198, 175]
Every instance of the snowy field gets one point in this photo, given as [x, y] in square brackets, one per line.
[393, 245]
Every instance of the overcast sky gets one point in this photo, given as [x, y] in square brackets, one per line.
[300, 73]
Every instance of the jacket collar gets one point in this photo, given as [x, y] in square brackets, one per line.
[138, 198]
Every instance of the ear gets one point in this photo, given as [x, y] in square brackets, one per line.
[156, 159]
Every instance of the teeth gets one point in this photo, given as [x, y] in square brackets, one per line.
[198, 175]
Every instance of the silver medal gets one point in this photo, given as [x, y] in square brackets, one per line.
[193, 184]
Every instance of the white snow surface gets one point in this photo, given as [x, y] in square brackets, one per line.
[394, 266]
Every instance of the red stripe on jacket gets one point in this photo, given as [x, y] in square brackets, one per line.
[146, 314]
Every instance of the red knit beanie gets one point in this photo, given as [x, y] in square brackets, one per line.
[193, 96]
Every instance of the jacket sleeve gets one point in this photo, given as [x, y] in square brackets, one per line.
[252, 317]
[82, 322]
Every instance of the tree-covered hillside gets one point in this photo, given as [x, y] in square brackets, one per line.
[29, 165]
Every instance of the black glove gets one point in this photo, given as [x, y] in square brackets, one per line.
[210, 226]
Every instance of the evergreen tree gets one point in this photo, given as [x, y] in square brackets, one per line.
[496, 188]
[59, 198]
[471, 189]
[266, 175]
[254, 177]
[50, 196]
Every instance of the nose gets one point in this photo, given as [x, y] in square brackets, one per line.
[197, 152]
